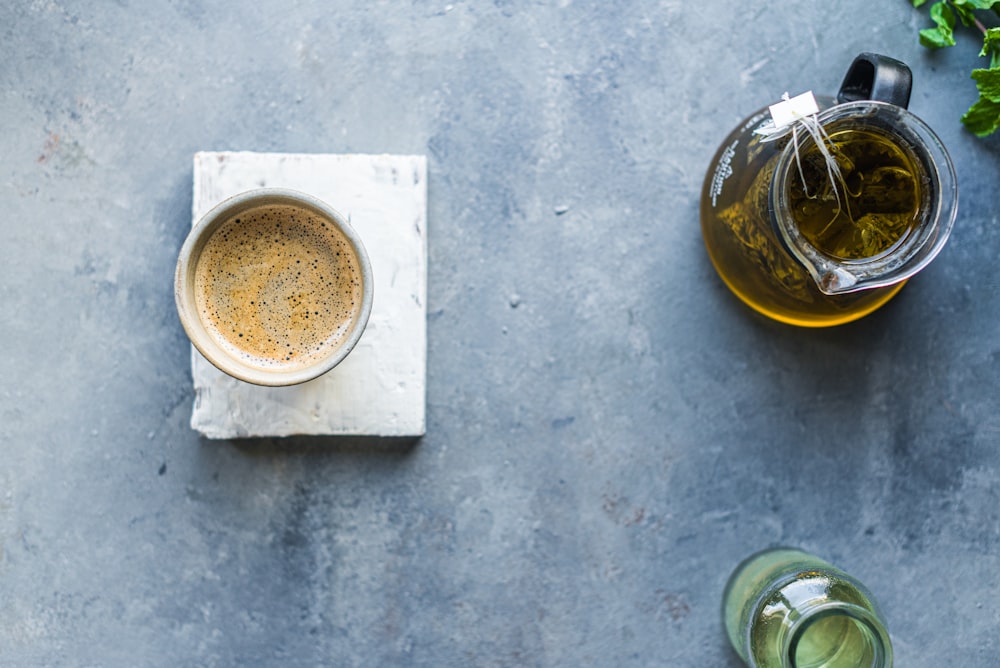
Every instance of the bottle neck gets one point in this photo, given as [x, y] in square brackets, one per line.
[836, 635]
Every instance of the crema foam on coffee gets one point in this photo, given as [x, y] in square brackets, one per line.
[278, 287]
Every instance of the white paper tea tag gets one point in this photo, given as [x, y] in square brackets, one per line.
[789, 110]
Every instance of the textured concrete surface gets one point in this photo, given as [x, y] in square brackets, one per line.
[609, 431]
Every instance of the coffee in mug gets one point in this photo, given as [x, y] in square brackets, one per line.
[274, 287]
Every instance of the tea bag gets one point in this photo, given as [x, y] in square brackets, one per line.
[856, 194]
[799, 114]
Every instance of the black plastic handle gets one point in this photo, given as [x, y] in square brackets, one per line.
[879, 78]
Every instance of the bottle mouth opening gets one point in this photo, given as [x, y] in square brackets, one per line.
[879, 220]
[838, 636]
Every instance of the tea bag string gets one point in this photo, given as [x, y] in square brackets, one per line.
[802, 112]
[823, 143]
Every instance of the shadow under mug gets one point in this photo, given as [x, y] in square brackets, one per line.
[222, 351]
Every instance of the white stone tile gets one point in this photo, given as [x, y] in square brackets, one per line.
[379, 390]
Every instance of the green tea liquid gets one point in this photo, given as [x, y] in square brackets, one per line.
[835, 641]
[870, 208]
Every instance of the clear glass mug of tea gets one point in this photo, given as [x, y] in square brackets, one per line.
[823, 221]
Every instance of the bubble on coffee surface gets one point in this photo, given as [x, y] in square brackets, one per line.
[278, 287]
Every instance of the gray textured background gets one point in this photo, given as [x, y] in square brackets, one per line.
[609, 430]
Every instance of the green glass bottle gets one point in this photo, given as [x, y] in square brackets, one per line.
[785, 608]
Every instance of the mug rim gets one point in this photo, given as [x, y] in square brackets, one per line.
[834, 275]
[184, 293]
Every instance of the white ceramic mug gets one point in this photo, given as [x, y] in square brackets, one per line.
[273, 287]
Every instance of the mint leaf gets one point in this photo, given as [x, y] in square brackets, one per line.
[977, 4]
[917, 3]
[990, 41]
[988, 83]
[991, 45]
[944, 34]
[983, 117]
[964, 10]
[935, 38]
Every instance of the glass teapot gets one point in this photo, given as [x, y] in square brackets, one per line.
[823, 221]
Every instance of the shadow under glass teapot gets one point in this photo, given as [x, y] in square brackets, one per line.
[821, 221]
